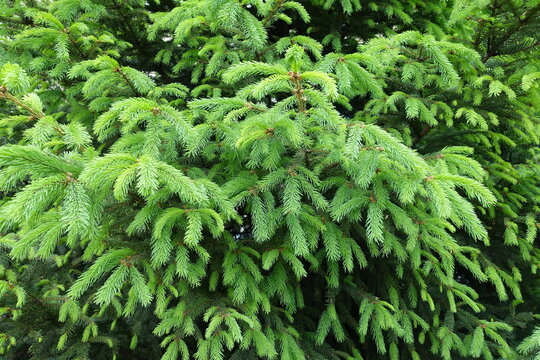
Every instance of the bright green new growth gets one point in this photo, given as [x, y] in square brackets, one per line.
[269, 179]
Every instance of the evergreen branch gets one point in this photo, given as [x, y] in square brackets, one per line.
[74, 43]
[522, 20]
[272, 12]
[298, 91]
[128, 81]
[277, 196]
[4, 93]
[12, 20]
[127, 23]
[36, 114]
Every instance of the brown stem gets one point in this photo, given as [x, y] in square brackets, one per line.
[72, 40]
[421, 135]
[6, 95]
[252, 106]
[272, 12]
[521, 21]
[298, 91]
[36, 114]
[128, 82]
[128, 26]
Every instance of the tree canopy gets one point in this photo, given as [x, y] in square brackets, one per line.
[269, 179]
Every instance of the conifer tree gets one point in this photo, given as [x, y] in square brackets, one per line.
[269, 179]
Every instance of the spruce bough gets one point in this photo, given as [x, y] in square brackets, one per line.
[226, 179]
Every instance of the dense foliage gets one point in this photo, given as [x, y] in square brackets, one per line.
[269, 179]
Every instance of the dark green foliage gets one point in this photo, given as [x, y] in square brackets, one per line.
[269, 179]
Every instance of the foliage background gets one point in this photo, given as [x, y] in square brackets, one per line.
[225, 179]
